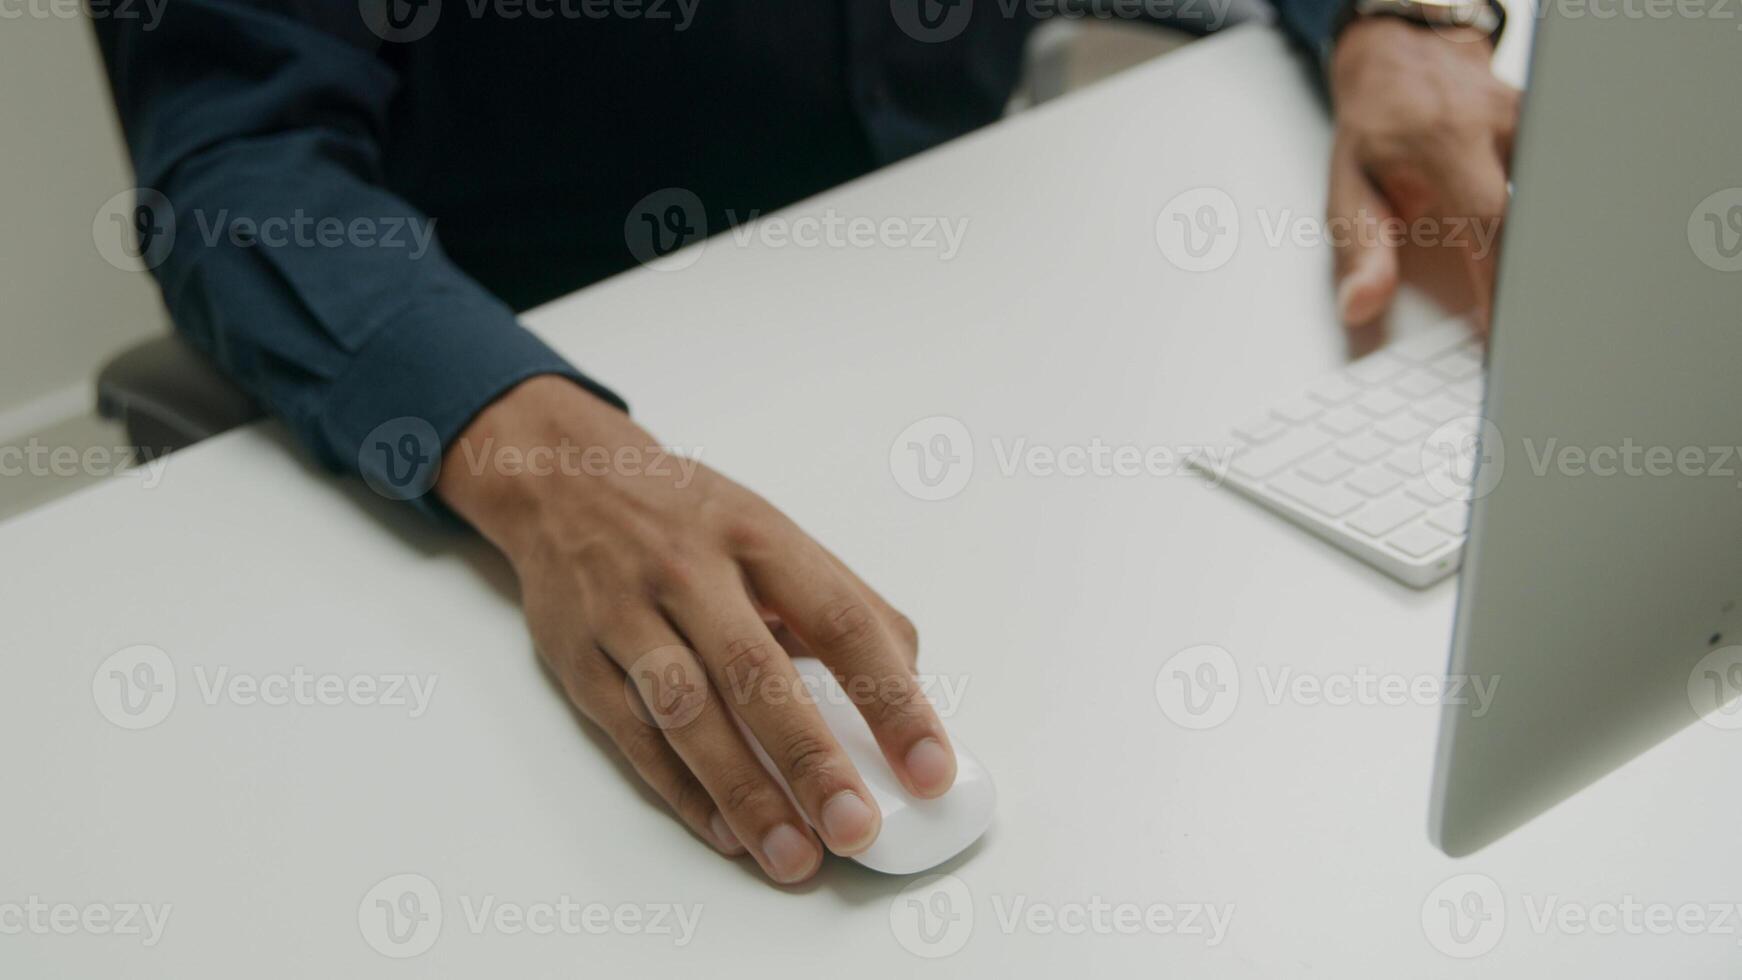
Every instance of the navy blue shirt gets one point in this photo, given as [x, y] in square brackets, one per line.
[304, 151]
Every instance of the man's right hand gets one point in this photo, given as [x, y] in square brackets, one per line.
[679, 581]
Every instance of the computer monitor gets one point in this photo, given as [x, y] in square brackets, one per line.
[1601, 588]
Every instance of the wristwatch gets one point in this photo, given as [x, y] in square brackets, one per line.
[1486, 16]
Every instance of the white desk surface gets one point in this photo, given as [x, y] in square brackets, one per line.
[1057, 600]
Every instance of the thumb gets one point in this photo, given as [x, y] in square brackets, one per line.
[1365, 260]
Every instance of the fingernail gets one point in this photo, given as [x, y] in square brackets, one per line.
[722, 833]
[931, 767]
[789, 855]
[849, 822]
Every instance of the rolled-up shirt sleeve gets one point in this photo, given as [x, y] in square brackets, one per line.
[258, 127]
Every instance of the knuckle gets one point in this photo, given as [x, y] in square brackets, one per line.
[905, 630]
[808, 757]
[748, 657]
[691, 800]
[744, 789]
[900, 706]
[847, 624]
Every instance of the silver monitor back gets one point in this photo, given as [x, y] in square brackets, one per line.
[1601, 595]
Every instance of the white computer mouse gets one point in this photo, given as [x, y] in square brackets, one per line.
[917, 834]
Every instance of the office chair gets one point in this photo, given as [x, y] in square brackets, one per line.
[170, 396]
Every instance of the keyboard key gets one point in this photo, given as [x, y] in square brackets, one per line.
[1458, 366]
[1424, 491]
[1429, 344]
[1298, 410]
[1418, 541]
[1417, 384]
[1439, 408]
[1468, 391]
[1452, 518]
[1343, 421]
[1380, 402]
[1259, 430]
[1403, 427]
[1259, 462]
[1328, 500]
[1375, 368]
[1325, 467]
[1364, 448]
[1405, 460]
[1381, 517]
[1374, 481]
[1334, 389]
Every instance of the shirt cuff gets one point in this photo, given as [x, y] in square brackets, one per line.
[420, 380]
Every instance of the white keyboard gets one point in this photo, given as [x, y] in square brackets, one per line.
[1378, 457]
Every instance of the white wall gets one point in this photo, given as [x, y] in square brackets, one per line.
[63, 308]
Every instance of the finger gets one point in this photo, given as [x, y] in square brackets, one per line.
[1507, 103]
[1473, 195]
[906, 633]
[838, 621]
[1365, 258]
[684, 710]
[595, 684]
[752, 670]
